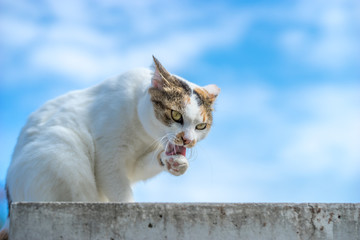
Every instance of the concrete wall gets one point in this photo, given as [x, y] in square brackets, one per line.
[184, 221]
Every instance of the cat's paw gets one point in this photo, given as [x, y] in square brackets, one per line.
[175, 164]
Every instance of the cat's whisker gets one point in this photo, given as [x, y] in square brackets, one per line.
[167, 140]
[193, 154]
[190, 153]
[172, 139]
[159, 144]
[155, 145]
[163, 140]
[191, 150]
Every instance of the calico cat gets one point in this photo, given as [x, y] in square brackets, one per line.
[92, 145]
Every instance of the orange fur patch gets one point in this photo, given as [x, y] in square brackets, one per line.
[205, 101]
[205, 95]
[204, 114]
[180, 135]
[202, 92]
[191, 144]
[179, 138]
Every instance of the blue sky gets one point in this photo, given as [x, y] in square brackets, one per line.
[287, 122]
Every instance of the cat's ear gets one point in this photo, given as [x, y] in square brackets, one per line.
[213, 91]
[161, 75]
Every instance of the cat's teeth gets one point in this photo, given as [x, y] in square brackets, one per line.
[181, 150]
[170, 150]
[175, 150]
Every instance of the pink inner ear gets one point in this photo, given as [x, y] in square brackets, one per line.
[157, 81]
[161, 75]
[212, 89]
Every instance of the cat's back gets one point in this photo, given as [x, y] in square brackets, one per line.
[52, 121]
[78, 104]
[84, 109]
[129, 84]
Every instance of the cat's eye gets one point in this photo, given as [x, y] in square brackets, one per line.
[176, 116]
[201, 126]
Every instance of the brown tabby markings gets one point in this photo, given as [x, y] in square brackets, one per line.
[175, 97]
[179, 140]
[171, 93]
[171, 97]
[203, 113]
[179, 137]
[205, 101]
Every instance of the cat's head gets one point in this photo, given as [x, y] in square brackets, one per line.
[183, 109]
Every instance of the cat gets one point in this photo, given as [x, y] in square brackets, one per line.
[91, 145]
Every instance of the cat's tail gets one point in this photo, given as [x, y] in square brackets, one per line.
[4, 233]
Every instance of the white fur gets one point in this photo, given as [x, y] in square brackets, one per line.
[191, 119]
[92, 144]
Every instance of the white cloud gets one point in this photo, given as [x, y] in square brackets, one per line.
[71, 45]
[326, 33]
[17, 32]
[84, 36]
[67, 11]
[79, 54]
[244, 101]
[69, 61]
[329, 140]
[79, 58]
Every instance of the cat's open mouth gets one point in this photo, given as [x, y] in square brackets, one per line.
[175, 150]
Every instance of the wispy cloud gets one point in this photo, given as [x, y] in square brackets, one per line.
[66, 44]
[329, 139]
[324, 34]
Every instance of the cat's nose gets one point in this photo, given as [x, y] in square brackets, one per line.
[185, 140]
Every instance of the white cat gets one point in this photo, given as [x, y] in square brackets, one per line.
[93, 144]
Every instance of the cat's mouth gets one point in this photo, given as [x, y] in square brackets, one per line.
[173, 149]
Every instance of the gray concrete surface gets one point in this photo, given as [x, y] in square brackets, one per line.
[184, 221]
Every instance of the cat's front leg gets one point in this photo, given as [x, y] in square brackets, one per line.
[113, 181]
[174, 164]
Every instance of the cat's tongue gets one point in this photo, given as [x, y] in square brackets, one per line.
[175, 150]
